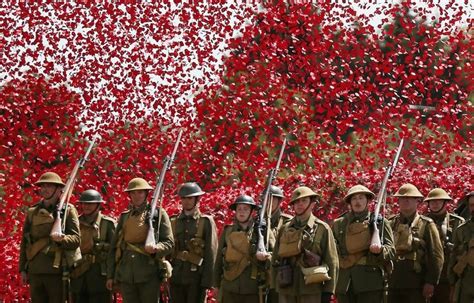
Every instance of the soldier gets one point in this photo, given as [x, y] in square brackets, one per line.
[278, 219]
[305, 254]
[43, 258]
[462, 208]
[239, 273]
[195, 248]
[446, 224]
[361, 273]
[89, 277]
[419, 253]
[137, 269]
[461, 262]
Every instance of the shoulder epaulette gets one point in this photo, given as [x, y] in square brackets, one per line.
[456, 217]
[392, 217]
[425, 218]
[321, 222]
[107, 218]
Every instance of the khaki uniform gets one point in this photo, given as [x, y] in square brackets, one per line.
[138, 273]
[419, 258]
[446, 224]
[461, 263]
[315, 236]
[238, 274]
[277, 220]
[193, 258]
[361, 275]
[89, 277]
[42, 258]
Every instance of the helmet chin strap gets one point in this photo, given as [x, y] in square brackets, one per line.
[304, 211]
[438, 211]
[54, 193]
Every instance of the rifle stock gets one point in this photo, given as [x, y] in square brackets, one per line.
[375, 241]
[157, 195]
[59, 224]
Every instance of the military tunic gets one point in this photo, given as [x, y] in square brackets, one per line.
[277, 220]
[89, 277]
[193, 258]
[418, 261]
[138, 273]
[361, 274]
[446, 224]
[247, 274]
[42, 258]
[324, 246]
[461, 263]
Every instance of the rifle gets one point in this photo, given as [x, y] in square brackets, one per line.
[157, 195]
[262, 244]
[382, 195]
[59, 225]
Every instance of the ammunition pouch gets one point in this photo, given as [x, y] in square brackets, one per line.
[285, 275]
[83, 266]
[41, 224]
[351, 260]
[196, 246]
[190, 257]
[232, 270]
[135, 229]
[315, 274]
[357, 237]
[403, 239]
[310, 259]
[33, 249]
[290, 243]
[238, 246]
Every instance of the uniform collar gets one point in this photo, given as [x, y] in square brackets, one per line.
[308, 223]
[195, 216]
[408, 220]
[360, 217]
[49, 208]
[92, 221]
[138, 210]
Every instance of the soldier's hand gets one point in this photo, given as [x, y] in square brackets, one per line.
[151, 249]
[262, 256]
[375, 249]
[57, 237]
[428, 290]
[24, 278]
[109, 284]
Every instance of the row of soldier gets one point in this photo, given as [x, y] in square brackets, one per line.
[420, 259]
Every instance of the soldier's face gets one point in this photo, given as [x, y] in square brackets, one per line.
[242, 212]
[188, 203]
[359, 203]
[275, 203]
[301, 206]
[437, 205]
[88, 208]
[49, 191]
[137, 197]
[408, 205]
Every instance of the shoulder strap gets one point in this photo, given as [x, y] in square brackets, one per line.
[200, 228]
[103, 229]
